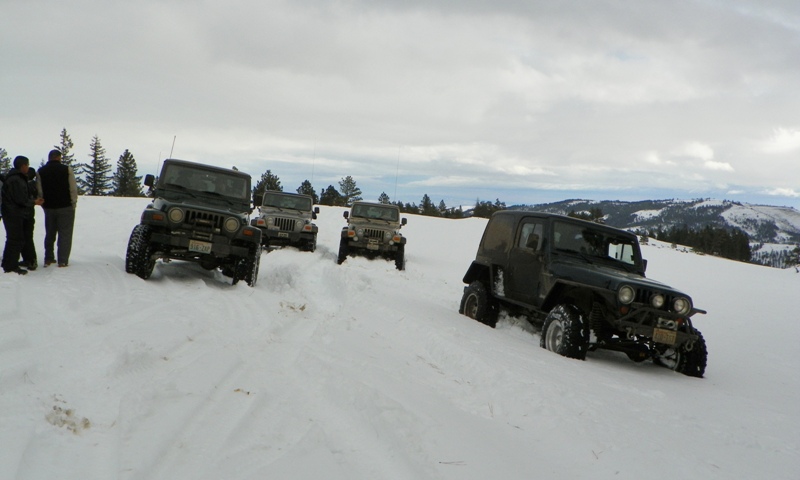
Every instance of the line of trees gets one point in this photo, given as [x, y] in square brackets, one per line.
[728, 243]
[94, 177]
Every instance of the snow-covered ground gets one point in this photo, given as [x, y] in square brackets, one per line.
[359, 371]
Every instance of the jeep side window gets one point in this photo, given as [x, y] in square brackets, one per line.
[530, 236]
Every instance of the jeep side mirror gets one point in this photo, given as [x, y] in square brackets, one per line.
[316, 209]
[403, 221]
[644, 265]
[346, 214]
[258, 199]
[149, 180]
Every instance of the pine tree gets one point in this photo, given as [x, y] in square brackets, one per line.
[442, 208]
[5, 161]
[331, 196]
[427, 208]
[126, 182]
[268, 181]
[67, 158]
[350, 192]
[305, 188]
[96, 179]
[384, 198]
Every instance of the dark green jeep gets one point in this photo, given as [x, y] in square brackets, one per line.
[199, 214]
[585, 284]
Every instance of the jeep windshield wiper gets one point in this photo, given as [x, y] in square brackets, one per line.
[181, 188]
[575, 252]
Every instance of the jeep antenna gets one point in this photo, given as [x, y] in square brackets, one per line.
[173, 146]
[397, 172]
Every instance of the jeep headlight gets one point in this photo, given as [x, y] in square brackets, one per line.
[175, 215]
[657, 300]
[231, 224]
[360, 232]
[626, 294]
[682, 305]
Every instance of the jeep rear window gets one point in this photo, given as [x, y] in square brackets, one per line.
[499, 233]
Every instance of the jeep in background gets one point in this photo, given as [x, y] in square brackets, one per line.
[286, 219]
[584, 284]
[199, 213]
[373, 230]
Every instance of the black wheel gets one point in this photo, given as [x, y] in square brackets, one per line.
[478, 304]
[688, 359]
[247, 268]
[565, 333]
[311, 245]
[343, 250]
[400, 258]
[139, 257]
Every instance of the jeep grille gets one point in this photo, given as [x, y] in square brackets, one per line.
[202, 219]
[285, 223]
[373, 233]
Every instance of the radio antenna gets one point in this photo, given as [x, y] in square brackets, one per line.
[397, 172]
[173, 146]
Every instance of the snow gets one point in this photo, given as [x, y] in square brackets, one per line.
[643, 215]
[359, 371]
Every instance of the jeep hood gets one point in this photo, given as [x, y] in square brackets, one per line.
[604, 276]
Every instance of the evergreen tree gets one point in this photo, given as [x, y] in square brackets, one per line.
[442, 208]
[126, 182]
[426, 207]
[486, 209]
[5, 161]
[350, 192]
[305, 188]
[67, 158]
[331, 196]
[268, 181]
[384, 198]
[96, 179]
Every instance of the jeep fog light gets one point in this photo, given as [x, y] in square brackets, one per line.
[175, 215]
[231, 224]
[657, 300]
[682, 305]
[626, 294]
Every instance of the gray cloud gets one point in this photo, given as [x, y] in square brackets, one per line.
[447, 98]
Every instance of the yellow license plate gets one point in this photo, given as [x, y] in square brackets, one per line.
[667, 337]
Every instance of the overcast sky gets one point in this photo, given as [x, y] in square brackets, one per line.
[525, 101]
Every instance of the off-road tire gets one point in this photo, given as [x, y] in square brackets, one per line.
[343, 251]
[691, 363]
[400, 258]
[310, 245]
[565, 332]
[139, 256]
[478, 304]
[247, 268]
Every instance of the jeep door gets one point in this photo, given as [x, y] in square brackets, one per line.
[525, 262]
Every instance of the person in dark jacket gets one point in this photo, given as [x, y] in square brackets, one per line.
[29, 258]
[60, 192]
[17, 206]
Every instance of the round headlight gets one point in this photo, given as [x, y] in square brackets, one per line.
[232, 224]
[175, 215]
[360, 232]
[626, 294]
[682, 305]
[657, 300]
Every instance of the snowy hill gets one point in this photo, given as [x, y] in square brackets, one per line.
[762, 223]
[359, 371]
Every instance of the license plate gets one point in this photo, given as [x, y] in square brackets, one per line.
[373, 246]
[667, 337]
[283, 235]
[199, 247]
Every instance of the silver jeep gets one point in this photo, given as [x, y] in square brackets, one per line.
[373, 230]
[286, 219]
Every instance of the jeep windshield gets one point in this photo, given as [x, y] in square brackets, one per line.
[596, 244]
[181, 180]
[290, 202]
[376, 212]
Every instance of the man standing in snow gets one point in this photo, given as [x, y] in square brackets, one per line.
[60, 192]
[17, 206]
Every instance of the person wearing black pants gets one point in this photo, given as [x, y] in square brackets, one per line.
[17, 205]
